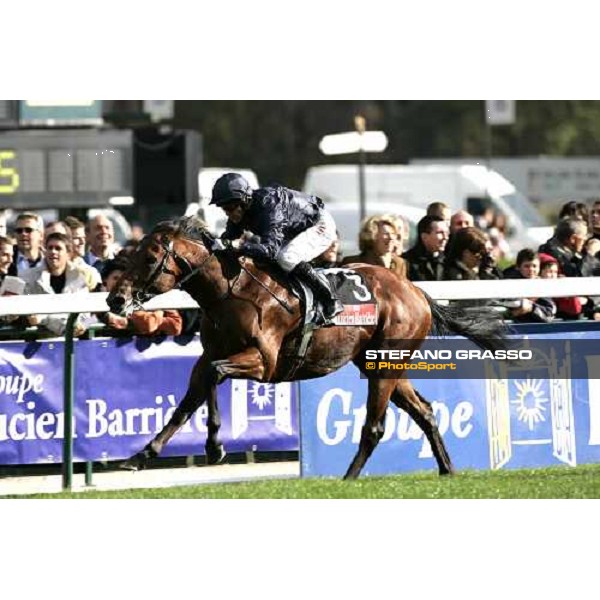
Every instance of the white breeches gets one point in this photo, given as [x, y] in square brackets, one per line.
[309, 244]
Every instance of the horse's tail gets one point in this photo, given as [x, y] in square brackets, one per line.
[482, 325]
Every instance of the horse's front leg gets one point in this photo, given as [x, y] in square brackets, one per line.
[201, 384]
[215, 453]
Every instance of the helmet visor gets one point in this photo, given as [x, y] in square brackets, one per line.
[229, 199]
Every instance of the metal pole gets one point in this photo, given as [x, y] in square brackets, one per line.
[360, 124]
[361, 183]
[488, 149]
[488, 145]
[68, 387]
[89, 473]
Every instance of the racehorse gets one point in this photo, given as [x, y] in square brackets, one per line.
[247, 333]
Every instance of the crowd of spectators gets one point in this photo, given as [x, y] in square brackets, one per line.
[461, 246]
[74, 257]
[66, 257]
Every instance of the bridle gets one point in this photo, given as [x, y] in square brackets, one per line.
[184, 265]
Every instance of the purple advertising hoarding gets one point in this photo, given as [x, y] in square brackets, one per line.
[31, 391]
[125, 391]
[520, 416]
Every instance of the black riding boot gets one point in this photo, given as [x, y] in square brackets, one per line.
[331, 305]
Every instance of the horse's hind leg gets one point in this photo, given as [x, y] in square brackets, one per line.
[408, 399]
[246, 364]
[374, 427]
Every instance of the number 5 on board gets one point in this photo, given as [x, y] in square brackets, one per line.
[9, 178]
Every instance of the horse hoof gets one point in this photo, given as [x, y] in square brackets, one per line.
[215, 455]
[135, 463]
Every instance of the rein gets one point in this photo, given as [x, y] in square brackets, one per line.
[184, 264]
[282, 302]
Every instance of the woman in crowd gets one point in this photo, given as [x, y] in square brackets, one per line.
[379, 240]
[469, 257]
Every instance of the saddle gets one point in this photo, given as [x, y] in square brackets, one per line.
[349, 286]
[360, 307]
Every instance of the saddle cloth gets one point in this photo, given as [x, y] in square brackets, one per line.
[351, 288]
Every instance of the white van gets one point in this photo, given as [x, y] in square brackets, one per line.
[346, 216]
[402, 189]
[213, 216]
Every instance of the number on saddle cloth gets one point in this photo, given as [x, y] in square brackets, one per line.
[348, 285]
[351, 288]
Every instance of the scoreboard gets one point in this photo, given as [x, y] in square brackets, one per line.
[62, 168]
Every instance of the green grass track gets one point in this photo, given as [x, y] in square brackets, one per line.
[553, 482]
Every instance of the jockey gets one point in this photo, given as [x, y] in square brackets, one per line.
[285, 226]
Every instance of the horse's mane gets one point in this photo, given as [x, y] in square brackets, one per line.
[192, 227]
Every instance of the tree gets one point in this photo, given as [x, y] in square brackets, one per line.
[279, 139]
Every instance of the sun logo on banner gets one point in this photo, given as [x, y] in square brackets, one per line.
[530, 401]
[261, 394]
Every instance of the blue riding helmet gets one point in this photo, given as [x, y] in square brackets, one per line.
[231, 187]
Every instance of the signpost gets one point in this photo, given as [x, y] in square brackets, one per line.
[159, 110]
[500, 112]
[497, 112]
[358, 142]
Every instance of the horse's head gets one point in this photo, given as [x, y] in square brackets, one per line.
[165, 259]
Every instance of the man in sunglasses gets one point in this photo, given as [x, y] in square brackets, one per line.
[29, 231]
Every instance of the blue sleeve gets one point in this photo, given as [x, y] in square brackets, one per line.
[270, 231]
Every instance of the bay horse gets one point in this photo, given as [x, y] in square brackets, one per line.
[247, 333]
